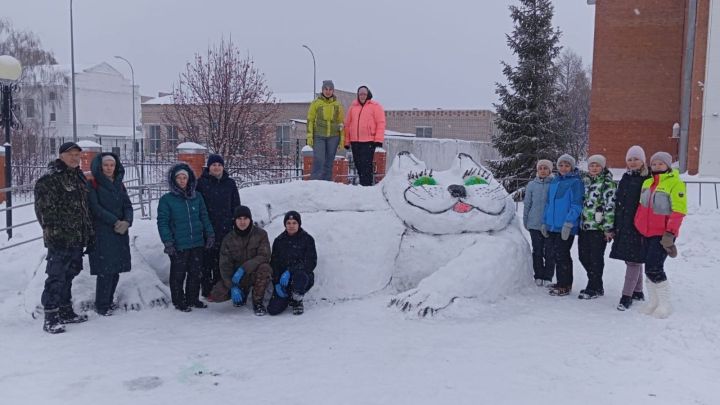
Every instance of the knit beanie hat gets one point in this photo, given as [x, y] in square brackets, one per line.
[108, 157]
[567, 159]
[328, 84]
[182, 171]
[599, 159]
[544, 162]
[663, 157]
[636, 152]
[242, 211]
[215, 159]
[292, 215]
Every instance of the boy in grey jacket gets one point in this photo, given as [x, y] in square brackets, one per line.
[536, 194]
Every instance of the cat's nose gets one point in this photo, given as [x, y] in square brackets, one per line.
[457, 191]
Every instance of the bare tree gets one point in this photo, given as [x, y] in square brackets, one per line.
[573, 90]
[221, 100]
[33, 99]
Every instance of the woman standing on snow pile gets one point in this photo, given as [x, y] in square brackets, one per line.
[561, 220]
[293, 260]
[112, 216]
[628, 243]
[364, 131]
[325, 131]
[185, 229]
[534, 202]
[663, 206]
[596, 224]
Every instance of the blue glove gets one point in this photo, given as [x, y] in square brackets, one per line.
[280, 291]
[285, 279]
[239, 273]
[237, 297]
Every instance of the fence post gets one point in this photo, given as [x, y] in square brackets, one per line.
[341, 170]
[192, 154]
[307, 154]
[379, 162]
[2, 177]
[90, 149]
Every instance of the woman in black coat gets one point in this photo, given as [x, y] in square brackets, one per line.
[112, 216]
[629, 244]
[293, 261]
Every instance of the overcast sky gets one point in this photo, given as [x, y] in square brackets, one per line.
[411, 53]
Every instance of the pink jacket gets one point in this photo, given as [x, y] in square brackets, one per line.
[365, 123]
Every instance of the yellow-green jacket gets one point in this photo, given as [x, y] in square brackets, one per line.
[325, 118]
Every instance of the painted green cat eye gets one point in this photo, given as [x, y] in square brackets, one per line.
[475, 181]
[424, 181]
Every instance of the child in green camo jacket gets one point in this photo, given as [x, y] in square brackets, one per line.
[596, 224]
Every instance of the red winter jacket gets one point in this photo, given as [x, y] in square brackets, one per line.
[663, 205]
[365, 123]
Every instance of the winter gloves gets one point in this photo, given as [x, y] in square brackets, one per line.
[121, 227]
[668, 242]
[566, 230]
[209, 242]
[170, 249]
[236, 294]
[544, 231]
[377, 144]
[282, 285]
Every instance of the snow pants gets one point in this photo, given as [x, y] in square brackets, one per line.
[543, 256]
[105, 286]
[300, 283]
[655, 260]
[563, 260]
[210, 274]
[185, 268]
[324, 150]
[62, 267]
[363, 155]
[591, 250]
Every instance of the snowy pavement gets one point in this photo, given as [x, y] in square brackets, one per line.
[526, 348]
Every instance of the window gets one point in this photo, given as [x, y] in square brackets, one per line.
[423, 132]
[53, 145]
[155, 139]
[282, 138]
[30, 108]
[52, 96]
[172, 137]
[52, 117]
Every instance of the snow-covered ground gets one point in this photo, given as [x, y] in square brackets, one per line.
[526, 347]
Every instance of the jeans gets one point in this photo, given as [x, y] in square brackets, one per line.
[324, 150]
[300, 283]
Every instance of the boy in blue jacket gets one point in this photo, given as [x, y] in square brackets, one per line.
[562, 219]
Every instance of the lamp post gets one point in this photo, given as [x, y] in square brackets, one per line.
[314, 71]
[72, 74]
[10, 70]
[132, 75]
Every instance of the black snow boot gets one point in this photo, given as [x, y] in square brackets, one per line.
[297, 307]
[638, 296]
[625, 303]
[259, 309]
[52, 323]
[67, 315]
[588, 294]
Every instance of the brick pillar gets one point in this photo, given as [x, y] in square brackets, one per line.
[194, 155]
[2, 175]
[90, 149]
[307, 156]
[341, 170]
[379, 162]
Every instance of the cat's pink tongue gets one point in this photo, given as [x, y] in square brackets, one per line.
[461, 207]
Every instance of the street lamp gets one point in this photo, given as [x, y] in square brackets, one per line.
[10, 70]
[314, 71]
[72, 74]
[132, 75]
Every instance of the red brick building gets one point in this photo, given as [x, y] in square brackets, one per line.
[637, 80]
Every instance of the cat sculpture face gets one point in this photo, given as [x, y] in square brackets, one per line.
[464, 198]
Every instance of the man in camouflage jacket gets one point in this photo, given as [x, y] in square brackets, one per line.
[61, 207]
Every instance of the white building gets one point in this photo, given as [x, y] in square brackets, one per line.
[710, 138]
[104, 105]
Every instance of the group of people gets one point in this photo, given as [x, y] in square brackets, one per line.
[641, 215]
[215, 249]
[362, 130]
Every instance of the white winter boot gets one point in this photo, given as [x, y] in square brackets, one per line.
[652, 301]
[664, 308]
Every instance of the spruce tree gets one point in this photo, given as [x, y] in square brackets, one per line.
[526, 114]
